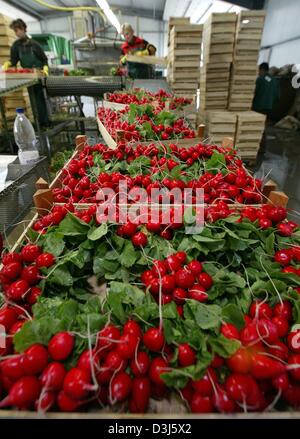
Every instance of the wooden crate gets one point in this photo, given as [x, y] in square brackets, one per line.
[112, 143]
[218, 37]
[246, 52]
[184, 55]
[250, 129]
[150, 60]
[218, 125]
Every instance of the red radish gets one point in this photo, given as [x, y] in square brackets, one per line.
[33, 295]
[205, 280]
[30, 252]
[281, 382]
[12, 270]
[230, 331]
[159, 269]
[127, 345]
[179, 295]
[158, 366]
[45, 260]
[23, 393]
[154, 339]
[139, 239]
[284, 310]
[141, 389]
[181, 256]
[12, 368]
[60, 346]
[222, 402]
[153, 227]
[279, 351]
[114, 361]
[240, 361]
[31, 274]
[293, 341]
[186, 355]
[204, 386]
[294, 360]
[65, 403]
[107, 336]
[8, 317]
[264, 367]
[35, 359]
[283, 257]
[132, 327]
[45, 402]
[282, 326]
[168, 283]
[53, 376]
[238, 387]
[11, 257]
[120, 387]
[195, 267]
[129, 229]
[17, 290]
[88, 359]
[140, 364]
[267, 330]
[201, 404]
[260, 310]
[187, 392]
[184, 278]
[173, 263]
[76, 383]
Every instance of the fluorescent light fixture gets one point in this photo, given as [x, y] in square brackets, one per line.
[103, 4]
[246, 21]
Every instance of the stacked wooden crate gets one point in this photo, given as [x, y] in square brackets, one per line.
[218, 44]
[249, 132]
[7, 37]
[246, 51]
[184, 59]
[18, 98]
[218, 124]
[179, 21]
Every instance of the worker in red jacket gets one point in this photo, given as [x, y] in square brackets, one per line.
[136, 46]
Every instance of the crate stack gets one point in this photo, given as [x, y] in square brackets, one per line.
[249, 132]
[218, 124]
[18, 98]
[218, 44]
[246, 51]
[184, 59]
[7, 37]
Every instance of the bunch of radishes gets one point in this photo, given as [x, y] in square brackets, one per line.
[21, 272]
[123, 366]
[175, 280]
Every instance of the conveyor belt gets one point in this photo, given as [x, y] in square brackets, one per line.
[94, 86]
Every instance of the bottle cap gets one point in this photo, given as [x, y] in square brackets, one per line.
[20, 110]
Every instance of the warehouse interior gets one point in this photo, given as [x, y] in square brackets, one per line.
[162, 94]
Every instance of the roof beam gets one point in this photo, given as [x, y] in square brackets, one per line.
[26, 9]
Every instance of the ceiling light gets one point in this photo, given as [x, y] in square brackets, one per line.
[103, 4]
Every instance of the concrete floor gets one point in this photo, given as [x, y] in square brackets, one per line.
[279, 159]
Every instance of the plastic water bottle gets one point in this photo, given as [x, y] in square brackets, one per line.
[25, 139]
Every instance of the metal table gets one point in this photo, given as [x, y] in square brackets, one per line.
[16, 197]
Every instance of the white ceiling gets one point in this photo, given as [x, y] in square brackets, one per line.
[197, 10]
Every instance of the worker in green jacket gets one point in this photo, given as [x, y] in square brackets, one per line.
[30, 55]
[266, 91]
